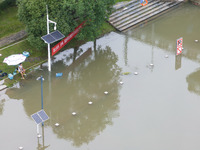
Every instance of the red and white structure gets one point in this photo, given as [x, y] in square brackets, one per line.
[179, 46]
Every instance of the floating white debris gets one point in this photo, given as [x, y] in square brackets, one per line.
[39, 136]
[90, 103]
[166, 56]
[20, 147]
[57, 124]
[74, 113]
[196, 41]
[106, 92]
[135, 73]
[121, 82]
[151, 64]
[0, 54]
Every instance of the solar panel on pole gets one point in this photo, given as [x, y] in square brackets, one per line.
[57, 35]
[43, 115]
[53, 37]
[36, 118]
[48, 39]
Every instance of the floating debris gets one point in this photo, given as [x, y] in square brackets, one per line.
[121, 82]
[74, 113]
[135, 73]
[57, 124]
[59, 74]
[106, 92]
[0, 54]
[151, 64]
[89, 102]
[20, 147]
[39, 136]
[166, 56]
[126, 73]
[196, 41]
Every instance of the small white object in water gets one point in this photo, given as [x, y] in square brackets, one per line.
[39, 136]
[57, 124]
[90, 103]
[121, 82]
[135, 73]
[196, 40]
[151, 64]
[0, 54]
[166, 56]
[106, 92]
[74, 113]
[20, 147]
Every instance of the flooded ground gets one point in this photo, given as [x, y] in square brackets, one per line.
[158, 109]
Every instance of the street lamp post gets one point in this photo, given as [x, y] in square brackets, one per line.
[49, 53]
[41, 79]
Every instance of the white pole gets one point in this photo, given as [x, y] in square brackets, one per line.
[38, 132]
[49, 53]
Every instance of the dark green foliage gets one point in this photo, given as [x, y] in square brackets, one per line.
[67, 13]
[7, 3]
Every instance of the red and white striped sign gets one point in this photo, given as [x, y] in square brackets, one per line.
[66, 40]
[179, 46]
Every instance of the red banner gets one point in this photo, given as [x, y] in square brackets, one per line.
[179, 46]
[66, 40]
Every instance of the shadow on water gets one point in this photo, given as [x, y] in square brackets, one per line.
[84, 80]
[194, 82]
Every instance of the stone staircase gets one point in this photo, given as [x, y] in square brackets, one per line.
[132, 14]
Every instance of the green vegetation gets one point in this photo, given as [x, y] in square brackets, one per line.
[67, 14]
[9, 22]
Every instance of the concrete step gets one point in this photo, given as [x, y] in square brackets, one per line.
[124, 11]
[135, 13]
[119, 8]
[133, 9]
[147, 16]
[141, 14]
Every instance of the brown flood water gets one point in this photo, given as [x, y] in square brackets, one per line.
[158, 109]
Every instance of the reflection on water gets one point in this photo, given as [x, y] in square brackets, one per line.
[158, 109]
[193, 81]
[83, 81]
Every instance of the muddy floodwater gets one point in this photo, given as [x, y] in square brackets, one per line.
[157, 107]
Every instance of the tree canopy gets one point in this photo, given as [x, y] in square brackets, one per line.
[68, 14]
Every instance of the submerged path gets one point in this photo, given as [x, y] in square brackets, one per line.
[131, 14]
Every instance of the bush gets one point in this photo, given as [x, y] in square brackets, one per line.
[7, 3]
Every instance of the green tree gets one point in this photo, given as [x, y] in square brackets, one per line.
[67, 13]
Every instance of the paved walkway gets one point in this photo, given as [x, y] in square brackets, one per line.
[13, 38]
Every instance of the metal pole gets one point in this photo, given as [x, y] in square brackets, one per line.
[41, 78]
[49, 54]
[41, 92]
[38, 129]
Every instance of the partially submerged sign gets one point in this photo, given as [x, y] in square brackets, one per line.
[179, 46]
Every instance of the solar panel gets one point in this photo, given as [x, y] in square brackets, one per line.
[43, 115]
[53, 37]
[57, 35]
[36, 118]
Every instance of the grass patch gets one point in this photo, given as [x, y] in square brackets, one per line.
[35, 57]
[9, 22]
